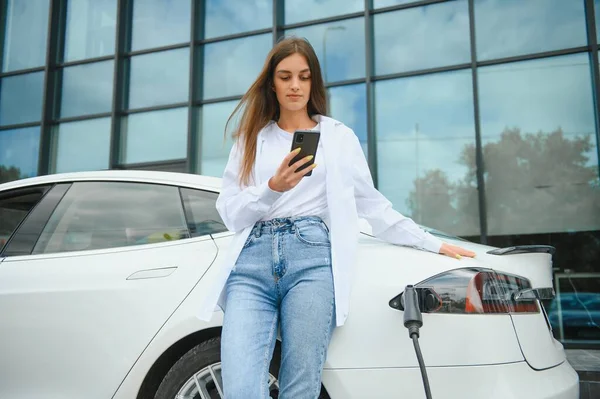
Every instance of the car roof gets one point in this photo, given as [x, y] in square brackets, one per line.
[143, 176]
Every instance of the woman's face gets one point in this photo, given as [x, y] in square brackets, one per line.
[292, 82]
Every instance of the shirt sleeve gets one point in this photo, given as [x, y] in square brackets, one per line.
[242, 207]
[386, 223]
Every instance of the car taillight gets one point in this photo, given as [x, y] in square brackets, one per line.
[473, 291]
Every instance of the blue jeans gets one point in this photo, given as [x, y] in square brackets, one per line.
[282, 279]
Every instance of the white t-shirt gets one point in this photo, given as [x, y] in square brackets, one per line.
[309, 197]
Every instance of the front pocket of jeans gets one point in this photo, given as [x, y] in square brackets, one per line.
[313, 234]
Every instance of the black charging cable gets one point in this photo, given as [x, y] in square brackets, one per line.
[413, 321]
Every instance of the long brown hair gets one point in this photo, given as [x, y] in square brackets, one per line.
[260, 104]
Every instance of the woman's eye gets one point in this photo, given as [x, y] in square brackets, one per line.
[305, 78]
[285, 78]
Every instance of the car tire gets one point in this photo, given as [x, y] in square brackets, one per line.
[201, 356]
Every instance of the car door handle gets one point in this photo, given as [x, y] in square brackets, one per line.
[152, 273]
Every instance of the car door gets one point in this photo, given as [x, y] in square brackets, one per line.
[81, 301]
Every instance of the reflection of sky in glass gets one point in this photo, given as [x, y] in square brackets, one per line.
[81, 146]
[344, 43]
[19, 148]
[423, 123]
[87, 89]
[230, 67]
[306, 10]
[90, 30]
[514, 27]
[348, 104]
[226, 17]
[155, 136]
[388, 3]
[422, 37]
[25, 34]
[539, 96]
[21, 98]
[214, 149]
[158, 23]
[159, 78]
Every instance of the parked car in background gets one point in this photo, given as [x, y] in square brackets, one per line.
[102, 273]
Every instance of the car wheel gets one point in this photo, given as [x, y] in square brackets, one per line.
[197, 374]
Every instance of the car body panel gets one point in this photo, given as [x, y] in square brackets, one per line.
[78, 313]
[506, 381]
[537, 343]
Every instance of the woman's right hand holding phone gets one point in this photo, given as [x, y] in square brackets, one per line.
[286, 176]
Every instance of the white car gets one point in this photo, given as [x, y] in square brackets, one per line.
[103, 272]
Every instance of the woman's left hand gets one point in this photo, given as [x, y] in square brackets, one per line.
[454, 251]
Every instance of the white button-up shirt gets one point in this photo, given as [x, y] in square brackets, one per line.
[350, 195]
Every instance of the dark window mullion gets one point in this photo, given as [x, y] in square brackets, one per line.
[196, 32]
[278, 20]
[478, 144]
[123, 36]
[593, 43]
[55, 37]
[370, 88]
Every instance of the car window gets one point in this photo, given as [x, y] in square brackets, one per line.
[99, 215]
[201, 212]
[15, 205]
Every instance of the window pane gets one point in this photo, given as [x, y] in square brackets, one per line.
[159, 78]
[14, 207]
[302, 10]
[425, 163]
[201, 212]
[98, 215]
[21, 98]
[19, 150]
[226, 17]
[423, 37]
[25, 34]
[340, 47]
[90, 30]
[154, 136]
[515, 27]
[348, 104]
[597, 12]
[158, 23]
[82, 95]
[223, 72]
[388, 3]
[80, 146]
[214, 148]
[537, 124]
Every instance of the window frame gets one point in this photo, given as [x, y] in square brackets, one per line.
[189, 213]
[25, 228]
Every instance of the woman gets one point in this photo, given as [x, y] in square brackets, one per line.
[292, 259]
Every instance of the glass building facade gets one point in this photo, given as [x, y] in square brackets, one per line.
[478, 117]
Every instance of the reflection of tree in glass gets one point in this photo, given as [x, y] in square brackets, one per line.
[9, 174]
[534, 183]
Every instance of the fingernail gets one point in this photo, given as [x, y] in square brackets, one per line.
[458, 257]
[308, 158]
[314, 165]
[297, 149]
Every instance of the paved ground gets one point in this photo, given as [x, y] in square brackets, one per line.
[587, 364]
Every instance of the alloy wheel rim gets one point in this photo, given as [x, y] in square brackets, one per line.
[208, 384]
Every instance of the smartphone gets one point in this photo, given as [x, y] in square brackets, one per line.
[308, 141]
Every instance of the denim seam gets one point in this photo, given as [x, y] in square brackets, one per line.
[266, 357]
[324, 345]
